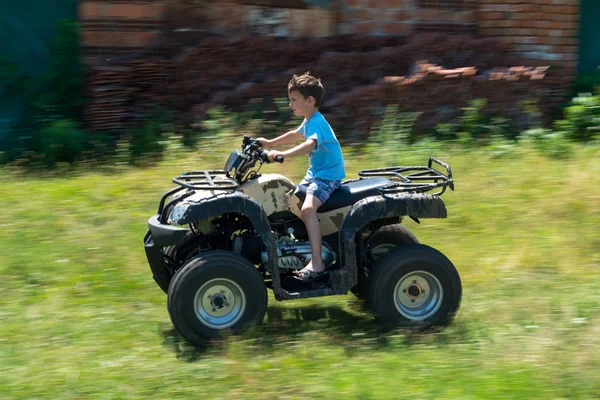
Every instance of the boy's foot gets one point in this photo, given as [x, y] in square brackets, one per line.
[307, 275]
[311, 272]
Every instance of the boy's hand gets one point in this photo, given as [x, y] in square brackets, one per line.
[274, 153]
[264, 142]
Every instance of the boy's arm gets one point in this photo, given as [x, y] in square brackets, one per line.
[286, 138]
[299, 150]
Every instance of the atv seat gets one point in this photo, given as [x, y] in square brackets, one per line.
[349, 193]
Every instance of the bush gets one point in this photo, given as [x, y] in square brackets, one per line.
[551, 143]
[190, 134]
[500, 146]
[582, 118]
[392, 136]
[471, 123]
[587, 83]
[473, 126]
[99, 147]
[265, 118]
[56, 141]
[145, 142]
[61, 141]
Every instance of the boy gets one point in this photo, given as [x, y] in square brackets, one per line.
[326, 162]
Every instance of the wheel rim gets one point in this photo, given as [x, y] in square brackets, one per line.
[220, 303]
[418, 295]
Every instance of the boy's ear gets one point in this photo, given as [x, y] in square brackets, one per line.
[312, 100]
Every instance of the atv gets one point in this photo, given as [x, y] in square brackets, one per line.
[222, 237]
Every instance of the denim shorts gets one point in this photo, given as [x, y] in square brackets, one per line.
[320, 188]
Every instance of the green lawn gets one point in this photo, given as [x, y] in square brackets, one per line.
[81, 317]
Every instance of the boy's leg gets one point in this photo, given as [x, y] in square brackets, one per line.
[309, 216]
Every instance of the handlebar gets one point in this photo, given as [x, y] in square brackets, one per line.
[265, 157]
[252, 146]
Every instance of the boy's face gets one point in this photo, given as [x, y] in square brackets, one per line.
[302, 106]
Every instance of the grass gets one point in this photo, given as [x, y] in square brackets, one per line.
[80, 316]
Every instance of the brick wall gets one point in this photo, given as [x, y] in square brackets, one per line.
[544, 31]
[109, 25]
[117, 26]
[231, 16]
[408, 16]
[362, 74]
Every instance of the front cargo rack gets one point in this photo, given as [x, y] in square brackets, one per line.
[419, 179]
[195, 180]
[205, 180]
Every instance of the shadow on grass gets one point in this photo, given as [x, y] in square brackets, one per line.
[355, 331]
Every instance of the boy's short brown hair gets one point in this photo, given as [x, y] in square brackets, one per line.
[307, 85]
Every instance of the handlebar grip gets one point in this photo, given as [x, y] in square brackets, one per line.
[263, 155]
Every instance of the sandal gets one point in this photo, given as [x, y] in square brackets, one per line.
[306, 275]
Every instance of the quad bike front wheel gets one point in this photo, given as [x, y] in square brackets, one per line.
[176, 255]
[215, 292]
[414, 285]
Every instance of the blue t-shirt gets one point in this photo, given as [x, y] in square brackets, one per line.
[325, 160]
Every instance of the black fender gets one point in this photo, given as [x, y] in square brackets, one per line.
[240, 203]
[161, 235]
[380, 207]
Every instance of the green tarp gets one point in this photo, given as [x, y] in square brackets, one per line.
[26, 27]
[589, 52]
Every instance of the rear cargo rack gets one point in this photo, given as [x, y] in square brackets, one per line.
[419, 179]
[193, 181]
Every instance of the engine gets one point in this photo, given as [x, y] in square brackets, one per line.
[297, 254]
[291, 254]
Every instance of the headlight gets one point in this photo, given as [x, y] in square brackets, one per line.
[179, 211]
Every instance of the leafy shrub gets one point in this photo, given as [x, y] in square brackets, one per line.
[534, 115]
[445, 131]
[391, 137]
[190, 135]
[17, 146]
[500, 146]
[99, 147]
[421, 150]
[283, 112]
[551, 143]
[582, 118]
[145, 142]
[56, 141]
[61, 141]
[471, 123]
[587, 83]
[218, 127]
[266, 118]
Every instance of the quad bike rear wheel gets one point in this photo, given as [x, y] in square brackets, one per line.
[216, 292]
[414, 285]
[379, 244]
